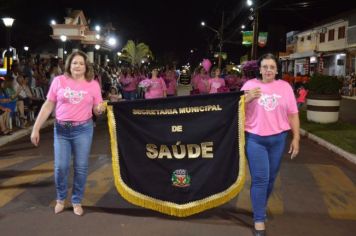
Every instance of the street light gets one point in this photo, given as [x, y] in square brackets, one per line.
[8, 21]
[63, 38]
[53, 22]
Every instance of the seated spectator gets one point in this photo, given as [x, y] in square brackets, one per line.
[114, 95]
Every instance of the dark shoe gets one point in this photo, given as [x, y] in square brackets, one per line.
[259, 232]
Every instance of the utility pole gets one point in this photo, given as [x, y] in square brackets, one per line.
[255, 36]
[220, 35]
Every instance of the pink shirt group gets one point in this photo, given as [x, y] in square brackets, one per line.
[74, 99]
[268, 115]
[156, 88]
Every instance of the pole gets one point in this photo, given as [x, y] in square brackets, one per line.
[255, 37]
[8, 39]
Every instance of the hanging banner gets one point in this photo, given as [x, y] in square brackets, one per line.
[178, 155]
[262, 39]
[247, 38]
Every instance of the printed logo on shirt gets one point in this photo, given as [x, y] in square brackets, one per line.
[269, 102]
[73, 96]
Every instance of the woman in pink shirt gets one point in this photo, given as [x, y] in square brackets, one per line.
[157, 87]
[271, 111]
[129, 84]
[74, 96]
[216, 82]
[302, 94]
[171, 81]
[200, 81]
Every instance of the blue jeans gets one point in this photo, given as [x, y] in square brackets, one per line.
[264, 155]
[131, 95]
[68, 141]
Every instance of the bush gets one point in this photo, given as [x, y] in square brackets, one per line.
[324, 84]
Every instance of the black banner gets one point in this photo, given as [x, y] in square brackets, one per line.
[178, 155]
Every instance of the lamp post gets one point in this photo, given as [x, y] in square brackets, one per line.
[254, 17]
[219, 34]
[8, 21]
[63, 38]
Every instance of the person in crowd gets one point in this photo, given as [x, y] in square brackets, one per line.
[129, 84]
[5, 111]
[171, 81]
[157, 87]
[74, 96]
[216, 82]
[271, 110]
[302, 95]
[114, 95]
[200, 81]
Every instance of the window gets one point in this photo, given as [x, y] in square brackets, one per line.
[341, 33]
[309, 37]
[331, 35]
[322, 37]
[302, 39]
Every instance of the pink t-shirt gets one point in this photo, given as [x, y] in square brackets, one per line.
[156, 89]
[268, 115]
[302, 94]
[129, 83]
[215, 83]
[171, 82]
[200, 82]
[74, 99]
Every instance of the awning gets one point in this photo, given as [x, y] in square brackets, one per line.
[303, 54]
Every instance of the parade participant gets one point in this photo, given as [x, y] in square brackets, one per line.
[171, 81]
[129, 84]
[271, 110]
[200, 81]
[157, 87]
[73, 96]
[216, 82]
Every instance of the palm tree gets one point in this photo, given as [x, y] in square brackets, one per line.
[136, 53]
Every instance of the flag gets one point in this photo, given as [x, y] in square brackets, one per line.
[262, 39]
[178, 155]
[247, 38]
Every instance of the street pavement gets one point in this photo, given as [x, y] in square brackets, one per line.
[315, 194]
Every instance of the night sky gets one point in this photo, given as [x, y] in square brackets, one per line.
[170, 28]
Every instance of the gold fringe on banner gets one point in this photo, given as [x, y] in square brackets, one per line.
[170, 208]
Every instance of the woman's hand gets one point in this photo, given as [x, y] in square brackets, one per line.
[100, 108]
[294, 148]
[252, 94]
[35, 137]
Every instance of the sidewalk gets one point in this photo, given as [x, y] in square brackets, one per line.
[17, 134]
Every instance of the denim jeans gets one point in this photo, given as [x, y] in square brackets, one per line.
[264, 155]
[129, 95]
[72, 141]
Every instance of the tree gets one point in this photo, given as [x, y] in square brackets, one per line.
[136, 53]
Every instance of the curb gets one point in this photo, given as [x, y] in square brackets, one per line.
[347, 155]
[21, 133]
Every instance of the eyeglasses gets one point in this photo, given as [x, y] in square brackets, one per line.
[265, 67]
